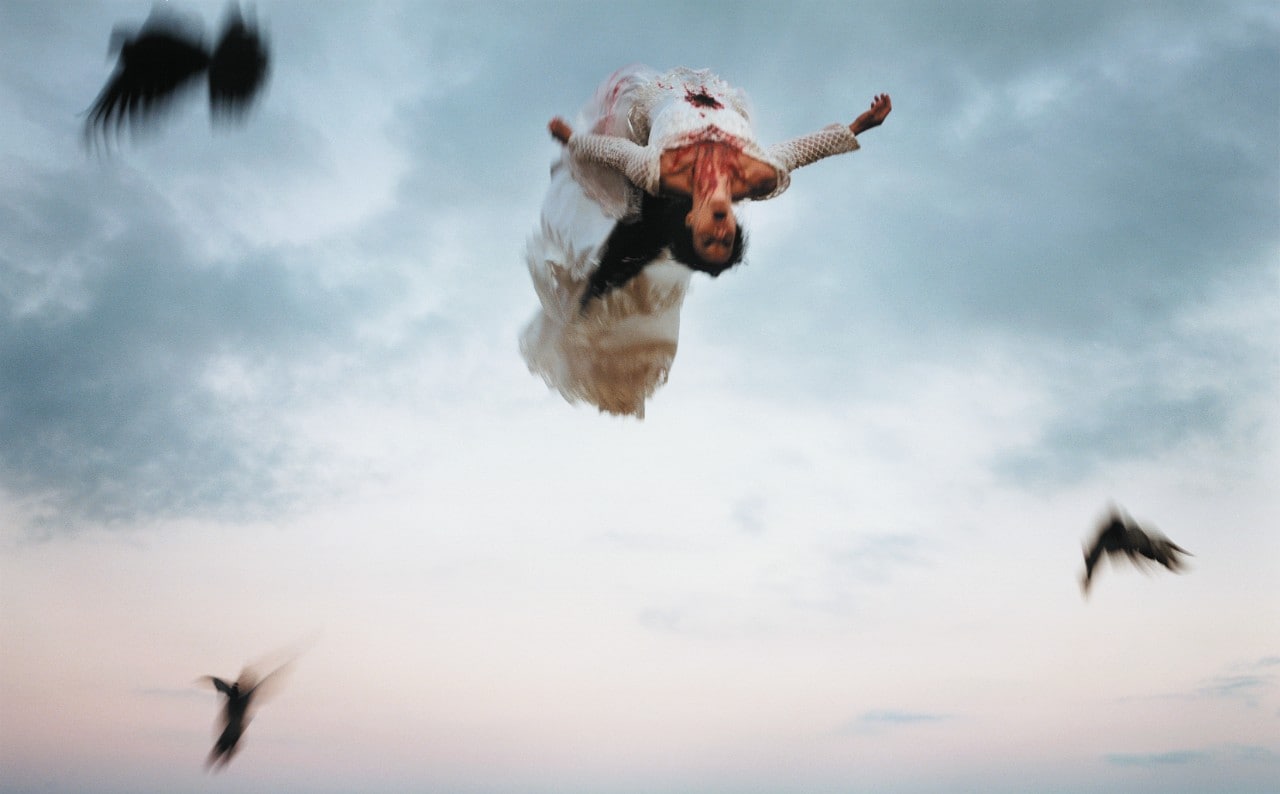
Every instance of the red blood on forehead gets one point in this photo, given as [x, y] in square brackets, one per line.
[705, 179]
[715, 161]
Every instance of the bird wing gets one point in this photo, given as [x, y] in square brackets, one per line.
[152, 68]
[267, 686]
[1165, 552]
[1091, 557]
[218, 684]
[1136, 546]
[238, 67]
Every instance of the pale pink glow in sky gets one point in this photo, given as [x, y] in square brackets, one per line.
[494, 644]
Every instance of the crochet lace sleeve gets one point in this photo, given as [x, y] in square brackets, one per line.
[797, 152]
[631, 159]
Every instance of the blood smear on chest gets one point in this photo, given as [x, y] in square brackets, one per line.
[702, 99]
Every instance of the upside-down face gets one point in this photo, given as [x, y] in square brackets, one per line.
[711, 221]
[713, 226]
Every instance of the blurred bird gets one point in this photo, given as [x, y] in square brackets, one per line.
[237, 712]
[169, 54]
[1118, 534]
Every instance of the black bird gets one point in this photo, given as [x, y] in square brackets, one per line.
[1118, 534]
[237, 712]
[168, 55]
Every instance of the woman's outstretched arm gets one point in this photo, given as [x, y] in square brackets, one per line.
[634, 161]
[831, 140]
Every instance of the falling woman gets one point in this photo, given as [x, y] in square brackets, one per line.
[641, 197]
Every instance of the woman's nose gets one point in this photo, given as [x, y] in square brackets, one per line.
[720, 208]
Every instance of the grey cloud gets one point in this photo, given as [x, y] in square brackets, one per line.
[1137, 400]
[119, 323]
[877, 721]
[1042, 246]
[1248, 682]
[1049, 174]
[112, 328]
[1096, 214]
[1102, 428]
[1253, 752]
[1245, 683]
[1217, 754]
[1247, 688]
[1061, 192]
[1176, 757]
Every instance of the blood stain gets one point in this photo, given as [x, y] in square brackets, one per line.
[702, 100]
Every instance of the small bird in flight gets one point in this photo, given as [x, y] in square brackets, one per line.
[237, 712]
[169, 54]
[1118, 534]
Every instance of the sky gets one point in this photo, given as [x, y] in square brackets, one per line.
[261, 397]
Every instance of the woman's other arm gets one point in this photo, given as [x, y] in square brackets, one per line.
[629, 158]
[830, 140]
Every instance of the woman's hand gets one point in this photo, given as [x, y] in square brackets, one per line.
[560, 130]
[880, 107]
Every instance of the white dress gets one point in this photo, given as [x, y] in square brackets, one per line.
[619, 350]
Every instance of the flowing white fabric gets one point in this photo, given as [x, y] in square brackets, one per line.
[619, 109]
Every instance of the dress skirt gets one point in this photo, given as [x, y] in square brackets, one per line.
[619, 350]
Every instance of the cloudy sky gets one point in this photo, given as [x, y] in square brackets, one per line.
[260, 394]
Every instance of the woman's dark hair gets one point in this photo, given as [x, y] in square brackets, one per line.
[672, 212]
[633, 245]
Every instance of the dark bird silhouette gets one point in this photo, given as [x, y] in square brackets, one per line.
[169, 55]
[1118, 534]
[237, 712]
